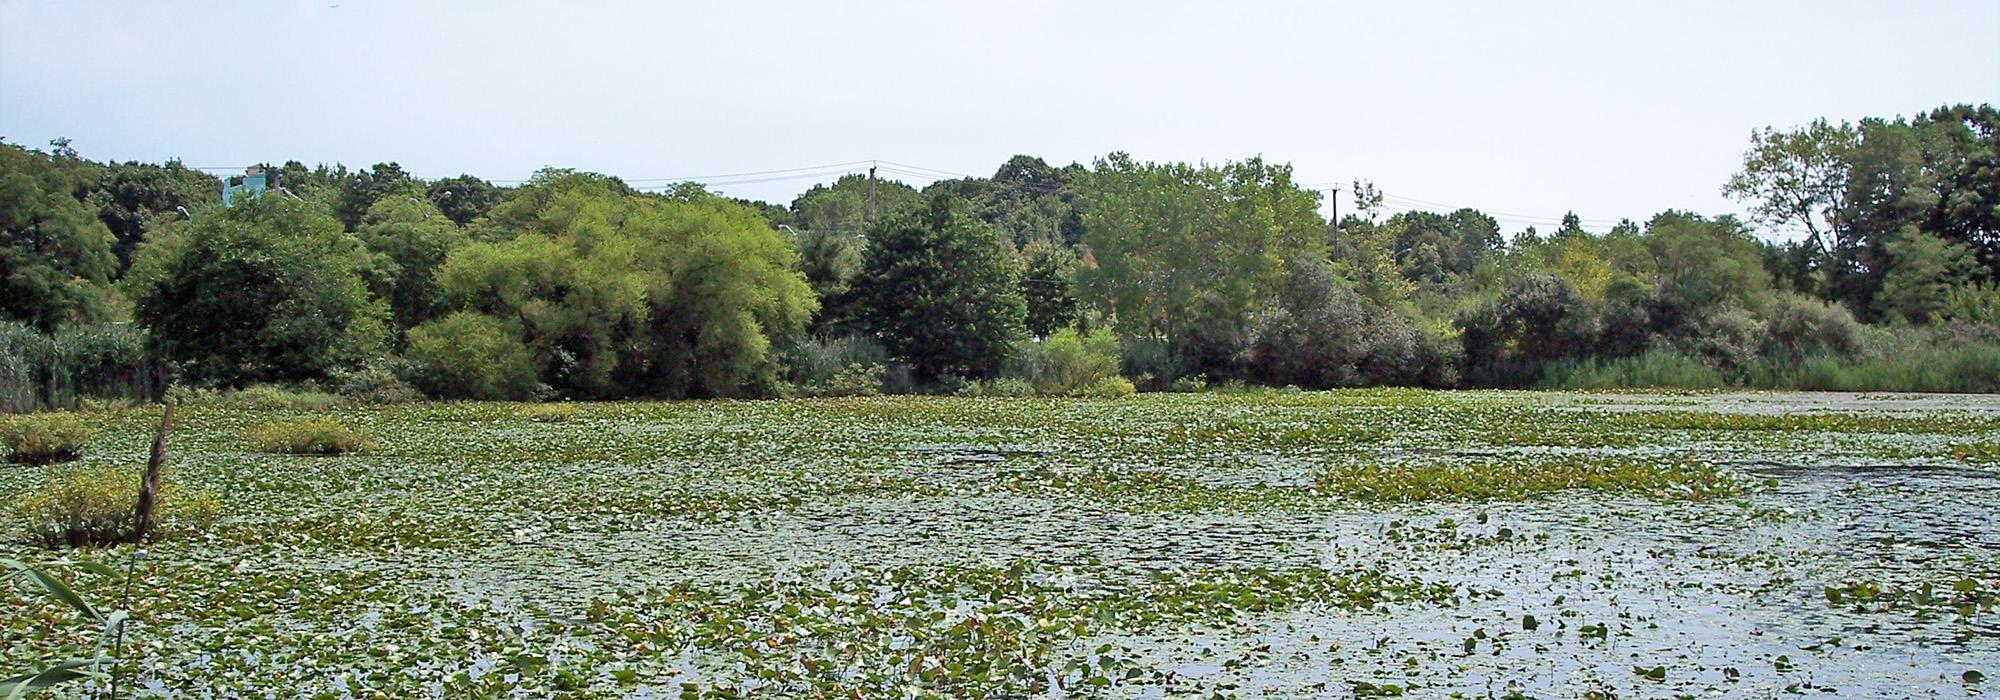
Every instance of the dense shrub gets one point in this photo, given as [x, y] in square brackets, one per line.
[376, 382]
[261, 397]
[1321, 333]
[1151, 363]
[44, 438]
[942, 290]
[470, 355]
[87, 506]
[306, 436]
[1066, 363]
[1109, 388]
[845, 366]
[1797, 326]
[267, 290]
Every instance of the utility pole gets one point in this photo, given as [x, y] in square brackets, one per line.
[871, 192]
[1333, 199]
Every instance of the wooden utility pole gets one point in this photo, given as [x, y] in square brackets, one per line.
[871, 193]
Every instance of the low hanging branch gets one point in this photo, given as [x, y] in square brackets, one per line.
[143, 516]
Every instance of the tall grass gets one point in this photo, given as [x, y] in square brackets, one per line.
[1921, 363]
[44, 371]
[1655, 369]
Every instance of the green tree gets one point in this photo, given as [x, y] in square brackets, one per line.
[942, 290]
[129, 195]
[620, 294]
[1923, 271]
[410, 239]
[830, 262]
[465, 198]
[56, 257]
[1184, 253]
[1048, 286]
[1799, 178]
[267, 290]
[842, 207]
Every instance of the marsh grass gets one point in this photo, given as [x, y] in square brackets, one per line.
[91, 506]
[551, 412]
[45, 438]
[306, 436]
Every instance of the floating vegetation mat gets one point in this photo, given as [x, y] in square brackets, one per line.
[1248, 544]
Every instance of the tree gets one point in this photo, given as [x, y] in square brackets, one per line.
[129, 195]
[410, 239]
[1923, 271]
[1184, 253]
[465, 198]
[1798, 178]
[942, 290]
[360, 190]
[1048, 285]
[842, 207]
[56, 257]
[830, 262]
[618, 294]
[267, 290]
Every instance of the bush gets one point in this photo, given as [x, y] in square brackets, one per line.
[999, 387]
[271, 397]
[1190, 385]
[1067, 362]
[45, 438]
[551, 412]
[470, 355]
[377, 382]
[814, 362]
[1799, 326]
[1151, 362]
[307, 436]
[92, 506]
[1109, 388]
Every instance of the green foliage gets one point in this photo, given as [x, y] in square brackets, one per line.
[1066, 363]
[92, 506]
[943, 290]
[470, 355]
[265, 397]
[841, 209]
[306, 436]
[111, 626]
[465, 198]
[1048, 286]
[1320, 333]
[1513, 479]
[831, 262]
[268, 290]
[1186, 253]
[1656, 369]
[44, 438]
[621, 295]
[376, 382]
[1924, 270]
[1108, 388]
[1799, 326]
[56, 258]
[60, 370]
[409, 240]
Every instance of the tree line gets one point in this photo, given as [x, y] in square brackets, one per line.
[1166, 275]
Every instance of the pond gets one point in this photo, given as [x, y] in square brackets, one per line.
[1264, 543]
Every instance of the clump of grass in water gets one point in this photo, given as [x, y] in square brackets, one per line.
[45, 439]
[307, 436]
[551, 412]
[1505, 480]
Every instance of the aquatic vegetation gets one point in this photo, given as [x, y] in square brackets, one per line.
[44, 438]
[306, 436]
[1191, 544]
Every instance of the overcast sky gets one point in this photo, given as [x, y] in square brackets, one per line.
[1524, 109]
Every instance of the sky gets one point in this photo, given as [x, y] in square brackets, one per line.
[1526, 110]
